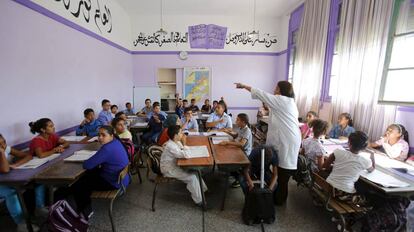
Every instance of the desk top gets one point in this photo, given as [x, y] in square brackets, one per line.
[22, 176]
[229, 155]
[198, 162]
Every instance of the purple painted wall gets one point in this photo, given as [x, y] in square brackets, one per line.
[262, 71]
[50, 70]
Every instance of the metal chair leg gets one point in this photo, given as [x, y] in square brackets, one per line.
[139, 175]
[110, 215]
[153, 197]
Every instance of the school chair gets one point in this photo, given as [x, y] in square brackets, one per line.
[112, 194]
[153, 163]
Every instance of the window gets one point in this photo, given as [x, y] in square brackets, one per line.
[294, 24]
[398, 76]
[331, 67]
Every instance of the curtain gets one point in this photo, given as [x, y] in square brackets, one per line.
[362, 48]
[310, 57]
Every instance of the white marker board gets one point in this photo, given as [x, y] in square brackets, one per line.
[143, 92]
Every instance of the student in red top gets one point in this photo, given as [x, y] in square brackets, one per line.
[171, 120]
[46, 142]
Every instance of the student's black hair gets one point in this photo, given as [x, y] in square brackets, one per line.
[286, 89]
[187, 109]
[35, 127]
[358, 141]
[348, 117]
[185, 100]
[115, 121]
[401, 129]
[244, 118]
[319, 127]
[313, 113]
[215, 101]
[104, 101]
[192, 99]
[113, 106]
[111, 131]
[1, 136]
[117, 115]
[87, 111]
[223, 104]
[173, 130]
[155, 104]
[128, 103]
[147, 100]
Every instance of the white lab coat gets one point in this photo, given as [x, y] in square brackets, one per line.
[283, 130]
[169, 168]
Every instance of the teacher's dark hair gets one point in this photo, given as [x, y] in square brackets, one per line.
[286, 89]
[35, 127]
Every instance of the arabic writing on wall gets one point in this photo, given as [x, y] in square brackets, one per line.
[102, 17]
[239, 38]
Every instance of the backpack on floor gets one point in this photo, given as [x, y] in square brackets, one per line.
[389, 215]
[303, 172]
[63, 218]
[130, 149]
[258, 205]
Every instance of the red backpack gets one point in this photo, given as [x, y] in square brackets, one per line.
[130, 149]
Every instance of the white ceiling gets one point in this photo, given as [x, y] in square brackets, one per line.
[264, 8]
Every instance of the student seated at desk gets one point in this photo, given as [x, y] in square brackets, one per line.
[89, 126]
[306, 129]
[174, 149]
[9, 194]
[179, 108]
[394, 142]
[206, 108]
[171, 120]
[219, 120]
[146, 109]
[193, 106]
[263, 111]
[114, 110]
[188, 121]
[344, 127]
[120, 129]
[213, 108]
[124, 117]
[129, 110]
[155, 124]
[252, 172]
[224, 104]
[312, 147]
[102, 170]
[243, 137]
[348, 164]
[47, 142]
[105, 116]
[155, 104]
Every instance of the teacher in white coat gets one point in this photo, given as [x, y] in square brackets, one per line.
[283, 133]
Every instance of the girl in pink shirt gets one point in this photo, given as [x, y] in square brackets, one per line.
[306, 129]
[394, 142]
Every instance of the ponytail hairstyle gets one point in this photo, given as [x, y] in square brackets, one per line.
[348, 117]
[358, 141]
[401, 129]
[110, 130]
[319, 127]
[35, 127]
[244, 118]
[286, 89]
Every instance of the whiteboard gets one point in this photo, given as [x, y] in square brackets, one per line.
[143, 92]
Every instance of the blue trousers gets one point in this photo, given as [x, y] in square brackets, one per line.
[13, 204]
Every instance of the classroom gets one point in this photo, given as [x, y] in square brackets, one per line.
[207, 115]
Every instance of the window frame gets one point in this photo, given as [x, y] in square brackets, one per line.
[294, 25]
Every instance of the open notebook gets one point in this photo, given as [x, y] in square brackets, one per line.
[37, 162]
[73, 138]
[217, 140]
[384, 179]
[198, 151]
[80, 156]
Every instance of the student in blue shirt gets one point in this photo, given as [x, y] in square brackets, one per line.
[155, 124]
[102, 170]
[149, 115]
[89, 126]
[129, 110]
[188, 121]
[344, 127]
[105, 116]
[219, 120]
[179, 108]
[146, 109]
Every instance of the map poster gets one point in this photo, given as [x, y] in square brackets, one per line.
[197, 84]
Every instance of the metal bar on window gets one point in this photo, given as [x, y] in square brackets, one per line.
[404, 34]
[398, 69]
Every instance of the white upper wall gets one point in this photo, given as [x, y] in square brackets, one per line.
[108, 13]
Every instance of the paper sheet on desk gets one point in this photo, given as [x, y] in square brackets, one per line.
[198, 151]
[37, 162]
[93, 139]
[329, 149]
[192, 133]
[217, 140]
[205, 115]
[80, 156]
[216, 133]
[72, 138]
[141, 124]
[386, 162]
[384, 179]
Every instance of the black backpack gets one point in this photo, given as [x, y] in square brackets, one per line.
[63, 218]
[303, 172]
